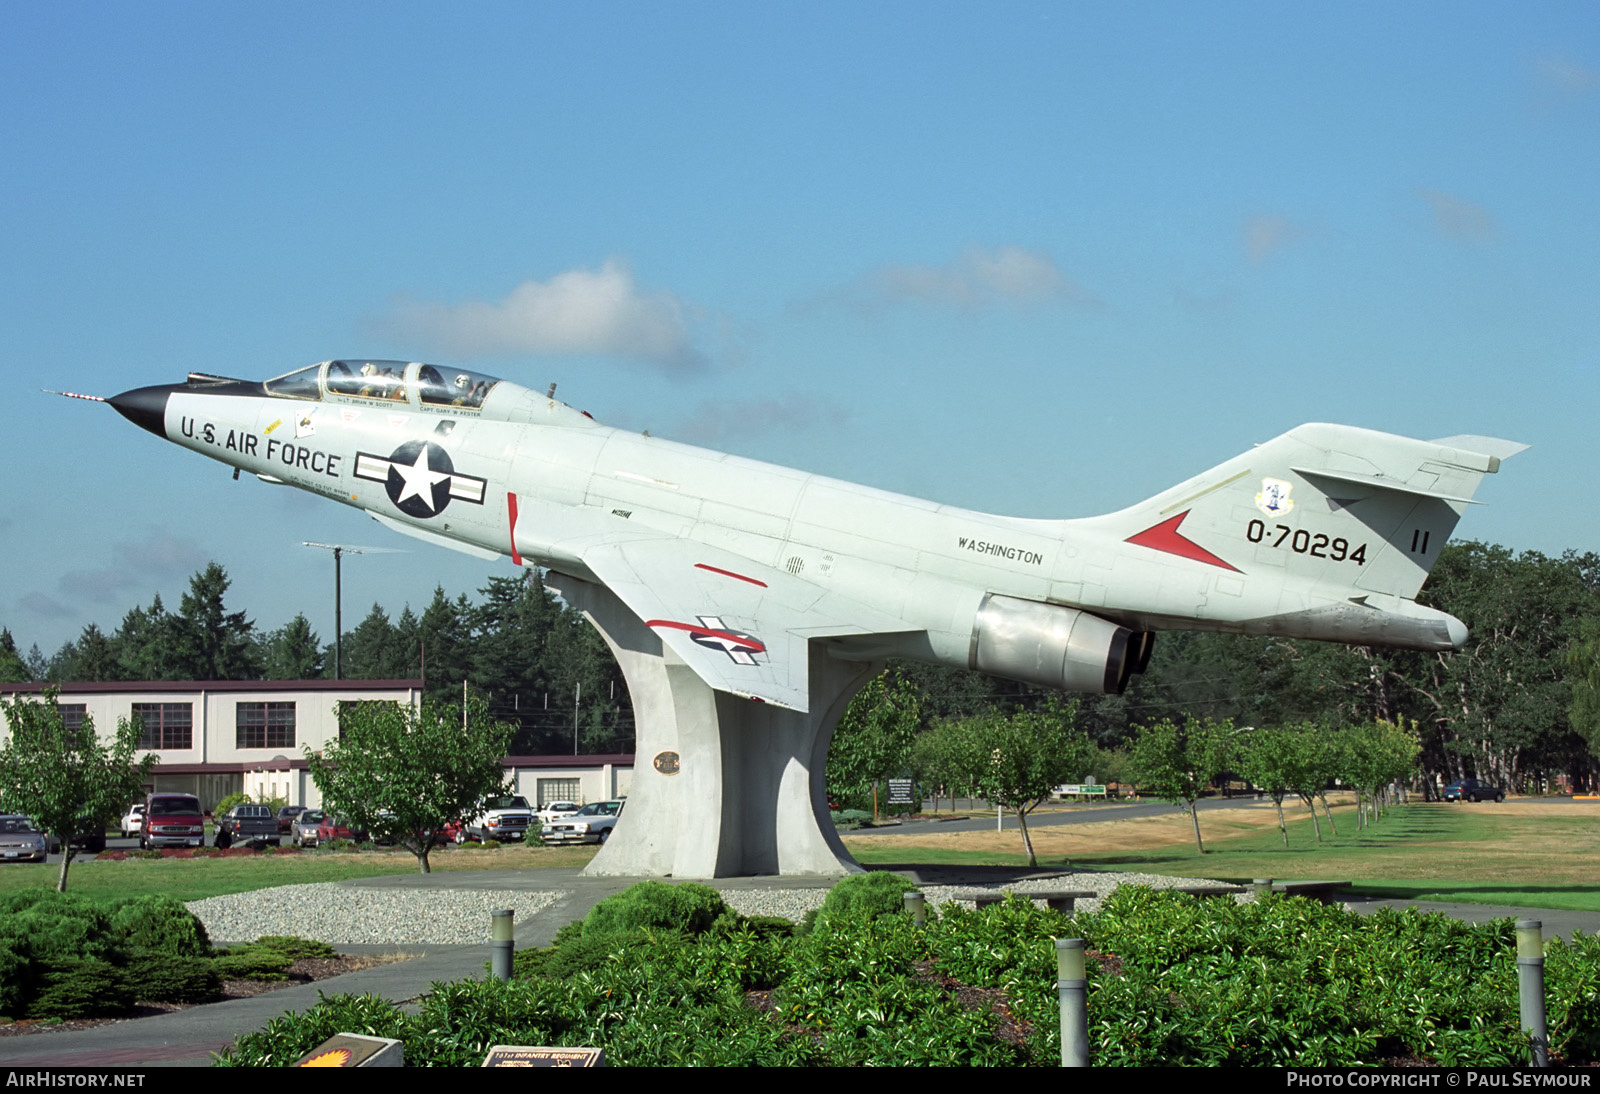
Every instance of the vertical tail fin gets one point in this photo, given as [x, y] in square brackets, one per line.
[1323, 514]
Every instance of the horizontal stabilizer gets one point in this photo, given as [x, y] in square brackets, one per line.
[1355, 479]
[1493, 447]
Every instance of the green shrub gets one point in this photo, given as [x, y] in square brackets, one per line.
[588, 953]
[83, 987]
[685, 907]
[250, 963]
[861, 897]
[229, 802]
[14, 987]
[56, 926]
[159, 924]
[168, 979]
[292, 945]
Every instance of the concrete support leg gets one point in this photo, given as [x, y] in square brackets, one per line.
[722, 786]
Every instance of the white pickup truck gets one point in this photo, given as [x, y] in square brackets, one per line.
[506, 819]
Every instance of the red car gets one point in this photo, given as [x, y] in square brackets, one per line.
[338, 828]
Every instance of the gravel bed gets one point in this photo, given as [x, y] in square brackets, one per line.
[795, 903]
[350, 915]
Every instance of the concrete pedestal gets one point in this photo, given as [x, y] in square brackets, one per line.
[722, 786]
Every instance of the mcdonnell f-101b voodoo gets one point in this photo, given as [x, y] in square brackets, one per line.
[757, 578]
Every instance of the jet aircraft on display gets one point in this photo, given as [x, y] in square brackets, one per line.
[1326, 532]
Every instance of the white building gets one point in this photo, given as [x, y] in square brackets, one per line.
[219, 737]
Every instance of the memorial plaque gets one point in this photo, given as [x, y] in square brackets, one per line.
[540, 1056]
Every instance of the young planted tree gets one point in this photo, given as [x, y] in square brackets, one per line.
[404, 774]
[873, 740]
[1177, 763]
[1015, 760]
[1374, 756]
[66, 778]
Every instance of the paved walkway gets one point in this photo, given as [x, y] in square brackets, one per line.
[188, 1038]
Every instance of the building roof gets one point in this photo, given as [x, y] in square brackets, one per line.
[111, 687]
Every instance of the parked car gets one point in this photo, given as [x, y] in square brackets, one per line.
[591, 824]
[20, 840]
[247, 823]
[303, 829]
[90, 836]
[557, 810]
[133, 820]
[333, 827]
[286, 817]
[1473, 791]
[172, 820]
[506, 818]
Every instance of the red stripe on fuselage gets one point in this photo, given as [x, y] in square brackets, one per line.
[744, 640]
[1165, 537]
[511, 510]
[729, 573]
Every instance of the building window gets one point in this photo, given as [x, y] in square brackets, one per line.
[559, 790]
[165, 725]
[72, 718]
[265, 725]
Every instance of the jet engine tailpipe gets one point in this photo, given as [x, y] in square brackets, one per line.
[1054, 647]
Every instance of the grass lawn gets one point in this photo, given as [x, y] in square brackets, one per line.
[1521, 853]
[195, 879]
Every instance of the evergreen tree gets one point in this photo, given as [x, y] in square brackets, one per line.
[292, 652]
[92, 657]
[12, 668]
[146, 644]
[212, 642]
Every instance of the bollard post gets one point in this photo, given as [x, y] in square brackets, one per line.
[1072, 986]
[1530, 987]
[502, 942]
[1261, 887]
[917, 905]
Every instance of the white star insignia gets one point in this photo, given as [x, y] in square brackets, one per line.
[420, 479]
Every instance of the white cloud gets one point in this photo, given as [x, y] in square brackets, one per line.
[1266, 234]
[1564, 74]
[599, 312]
[1457, 219]
[979, 278]
[156, 559]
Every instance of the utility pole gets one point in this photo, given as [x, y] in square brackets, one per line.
[339, 550]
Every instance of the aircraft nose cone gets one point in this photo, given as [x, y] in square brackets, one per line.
[145, 407]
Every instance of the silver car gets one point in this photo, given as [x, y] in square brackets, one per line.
[303, 830]
[20, 841]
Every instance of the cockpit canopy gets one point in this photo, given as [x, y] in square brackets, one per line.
[412, 383]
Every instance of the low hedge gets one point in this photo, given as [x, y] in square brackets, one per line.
[1172, 980]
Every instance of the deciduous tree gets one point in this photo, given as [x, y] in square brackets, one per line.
[1016, 759]
[873, 739]
[405, 773]
[66, 777]
[1177, 763]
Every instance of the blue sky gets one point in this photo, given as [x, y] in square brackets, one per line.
[1041, 259]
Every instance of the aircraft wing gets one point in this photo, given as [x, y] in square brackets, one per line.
[743, 627]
